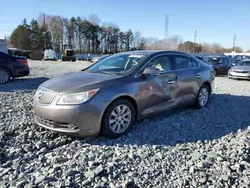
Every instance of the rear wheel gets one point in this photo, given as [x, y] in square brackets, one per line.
[202, 97]
[4, 76]
[118, 118]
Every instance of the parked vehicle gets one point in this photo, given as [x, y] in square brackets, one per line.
[240, 71]
[110, 95]
[50, 55]
[97, 59]
[201, 59]
[3, 46]
[12, 67]
[68, 54]
[221, 65]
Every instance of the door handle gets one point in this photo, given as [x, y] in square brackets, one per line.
[171, 81]
[198, 75]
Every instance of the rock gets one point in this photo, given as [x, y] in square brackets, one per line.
[39, 179]
[104, 179]
[195, 156]
[224, 177]
[98, 170]
[203, 180]
[89, 174]
[192, 169]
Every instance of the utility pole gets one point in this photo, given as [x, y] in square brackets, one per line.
[234, 42]
[45, 36]
[166, 30]
[195, 36]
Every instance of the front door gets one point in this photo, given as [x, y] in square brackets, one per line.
[158, 91]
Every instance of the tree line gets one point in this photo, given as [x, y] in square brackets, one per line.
[84, 35]
[91, 36]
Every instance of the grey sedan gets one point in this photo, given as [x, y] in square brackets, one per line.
[109, 96]
[240, 71]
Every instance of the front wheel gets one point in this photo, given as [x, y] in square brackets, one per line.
[118, 118]
[202, 97]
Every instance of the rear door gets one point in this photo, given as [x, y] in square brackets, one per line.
[189, 78]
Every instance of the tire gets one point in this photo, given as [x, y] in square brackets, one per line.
[4, 76]
[109, 120]
[198, 102]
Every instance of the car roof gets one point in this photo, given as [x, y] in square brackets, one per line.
[150, 52]
[216, 56]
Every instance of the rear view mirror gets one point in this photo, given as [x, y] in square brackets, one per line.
[151, 71]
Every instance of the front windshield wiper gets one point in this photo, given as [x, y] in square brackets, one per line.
[104, 72]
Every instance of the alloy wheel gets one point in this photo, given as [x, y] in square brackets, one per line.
[203, 96]
[120, 118]
[4, 76]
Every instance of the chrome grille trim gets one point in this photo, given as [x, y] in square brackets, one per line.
[44, 96]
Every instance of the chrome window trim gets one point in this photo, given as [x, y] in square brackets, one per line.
[168, 54]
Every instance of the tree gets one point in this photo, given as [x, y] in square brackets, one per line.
[173, 42]
[20, 38]
[36, 35]
[139, 42]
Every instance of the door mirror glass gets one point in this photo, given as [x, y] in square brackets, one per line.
[151, 71]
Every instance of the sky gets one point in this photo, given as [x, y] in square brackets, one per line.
[214, 20]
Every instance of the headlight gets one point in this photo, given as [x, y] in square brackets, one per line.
[77, 98]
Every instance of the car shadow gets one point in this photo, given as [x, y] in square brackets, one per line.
[225, 114]
[22, 84]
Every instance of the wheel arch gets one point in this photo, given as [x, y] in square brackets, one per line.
[6, 68]
[127, 97]
[208, 84]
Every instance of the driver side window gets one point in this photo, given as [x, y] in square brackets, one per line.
[163, 63]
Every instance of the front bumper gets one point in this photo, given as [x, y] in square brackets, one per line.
[239, 75]
[76, 120]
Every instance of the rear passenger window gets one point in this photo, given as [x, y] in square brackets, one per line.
[182, 62]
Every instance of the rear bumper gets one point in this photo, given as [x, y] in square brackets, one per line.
[22, 71]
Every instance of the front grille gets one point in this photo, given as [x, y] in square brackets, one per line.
[44, 97]
[241, 71]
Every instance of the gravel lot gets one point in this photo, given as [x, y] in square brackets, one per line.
[180, 148]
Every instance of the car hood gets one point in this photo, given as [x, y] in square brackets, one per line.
[241, 68]
[77, 82]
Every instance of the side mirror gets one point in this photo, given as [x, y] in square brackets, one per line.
[151, 71]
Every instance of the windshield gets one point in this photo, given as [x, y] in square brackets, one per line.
[244, 63]
[117, 64]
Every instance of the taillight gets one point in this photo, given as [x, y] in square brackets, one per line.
[23, 61]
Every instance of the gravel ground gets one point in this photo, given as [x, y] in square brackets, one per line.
[180, 148]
